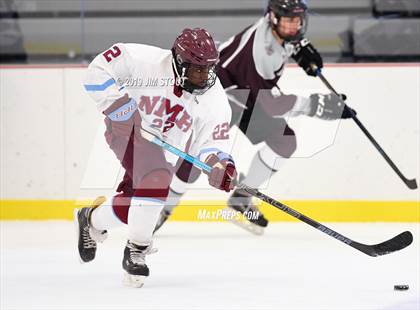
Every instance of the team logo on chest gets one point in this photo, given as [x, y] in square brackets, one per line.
[167, 114]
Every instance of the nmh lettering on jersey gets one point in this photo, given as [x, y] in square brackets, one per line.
[167, 114]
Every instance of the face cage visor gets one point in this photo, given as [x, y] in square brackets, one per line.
[182, 71]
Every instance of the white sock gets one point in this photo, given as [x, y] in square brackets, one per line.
[263, 165]
[104, 218]
[176, 191]
[142, 218]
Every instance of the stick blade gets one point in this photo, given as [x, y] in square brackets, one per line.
[397, 243]
[411, 184]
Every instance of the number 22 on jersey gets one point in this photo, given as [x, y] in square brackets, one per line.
[221, 132]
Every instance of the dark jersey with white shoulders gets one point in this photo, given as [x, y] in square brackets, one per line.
[250, 66]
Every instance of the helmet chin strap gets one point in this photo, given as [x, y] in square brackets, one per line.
[184, 82]
[181, 79]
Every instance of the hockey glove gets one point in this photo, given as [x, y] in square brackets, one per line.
[119, 116]
[307, 57]
[223, 171]
[329, 107]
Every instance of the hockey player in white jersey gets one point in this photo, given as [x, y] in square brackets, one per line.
[251, 64]
[175, 95]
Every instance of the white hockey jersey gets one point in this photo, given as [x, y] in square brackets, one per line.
[145, 73]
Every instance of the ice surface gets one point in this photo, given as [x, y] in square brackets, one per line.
[210, 266]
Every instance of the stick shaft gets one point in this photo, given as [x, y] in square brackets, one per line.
[296, 214]
[397, 243]
[254, 192]
[412, 184]
[195, 161]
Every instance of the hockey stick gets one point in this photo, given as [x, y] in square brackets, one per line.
[397, 243]
[411, 184]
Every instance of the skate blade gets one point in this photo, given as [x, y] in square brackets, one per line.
[245, 224]
[133, 280]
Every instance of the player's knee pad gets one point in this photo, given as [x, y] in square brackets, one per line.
[283, 144]
[155, 184]
[187, 172]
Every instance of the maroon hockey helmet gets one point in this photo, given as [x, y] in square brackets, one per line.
[194, 60]
[288, 8]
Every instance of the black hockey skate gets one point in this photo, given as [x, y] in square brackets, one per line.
[252, 220]
[134, 263]
[87, 236]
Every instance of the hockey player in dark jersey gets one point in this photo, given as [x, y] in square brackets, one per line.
[251, 64]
